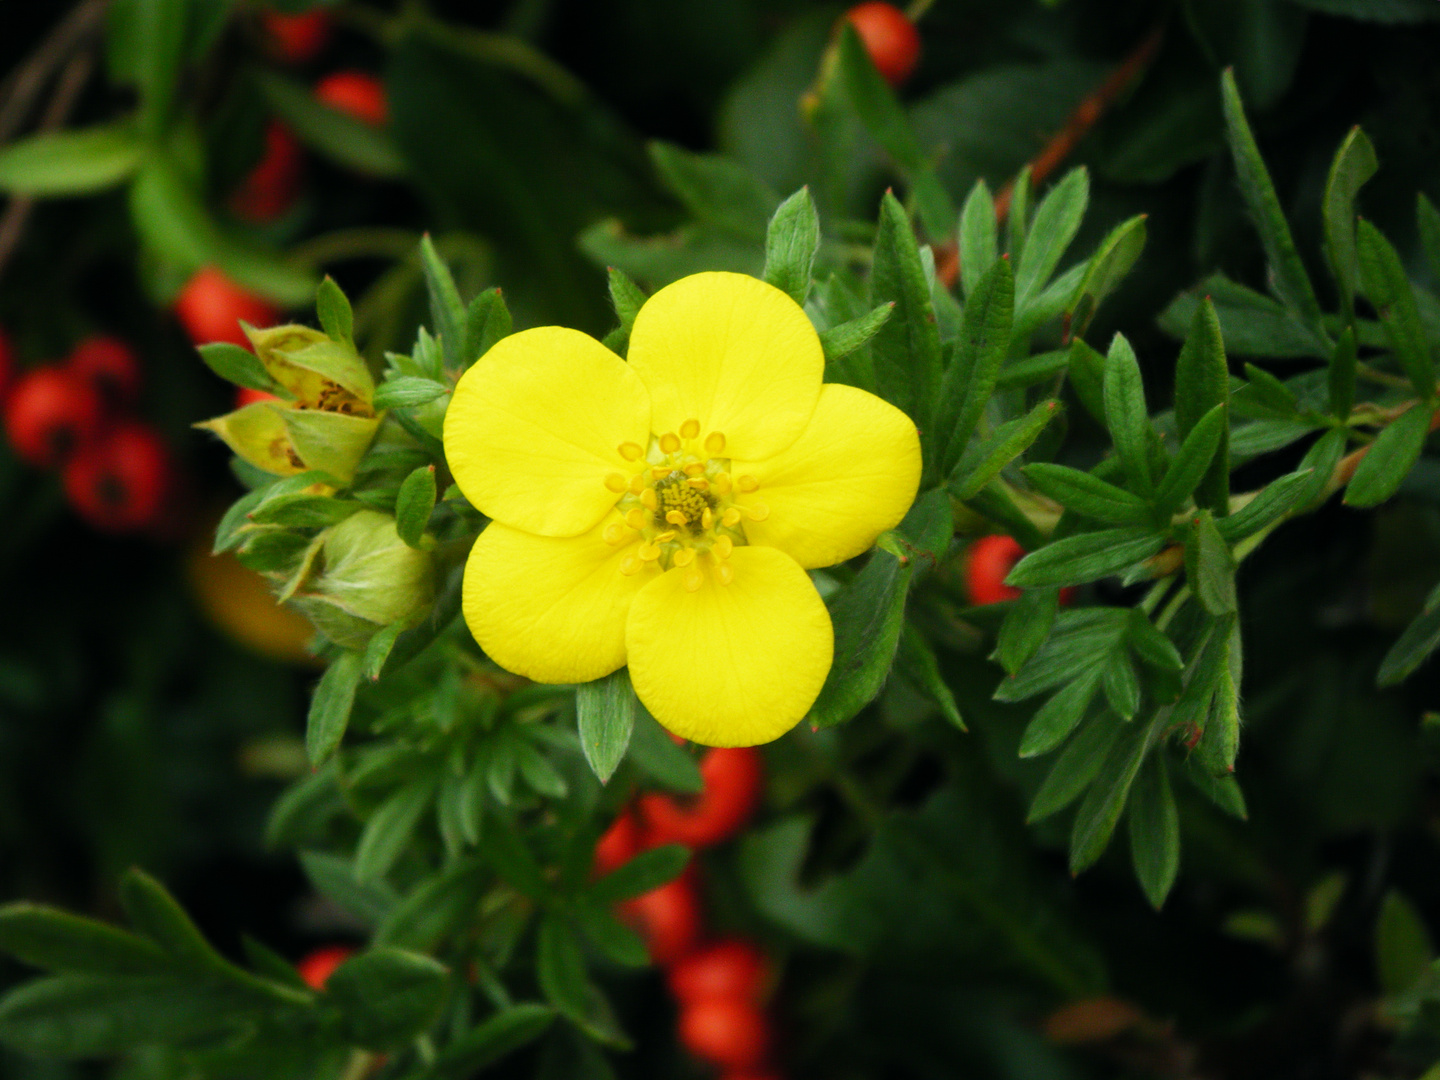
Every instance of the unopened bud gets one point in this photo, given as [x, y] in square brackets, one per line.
[279, 438]
[320, 373]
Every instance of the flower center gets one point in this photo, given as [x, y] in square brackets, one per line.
[679, 506]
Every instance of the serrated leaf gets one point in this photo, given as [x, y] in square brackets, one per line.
[605, 713]
[330, 707]
[977, 238]
[790, 245]
[1290, 282]
[867, 615]
[1354, 164]
[1126, 413]
[1076, 560]
[1057, 219]
[1390, 458]
[1202, 381]
[1088, 495]
[1154, 831]
[979, 353]
[1027, 624]
[1076, 767]
[333, 307]
[844, 339]
[983, 462]
[1386, 286]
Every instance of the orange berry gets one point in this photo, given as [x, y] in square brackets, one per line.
[889, 37]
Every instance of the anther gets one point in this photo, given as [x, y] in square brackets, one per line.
[725, 572]
[630, 451]
[649, 499]
[699, 483]
[694, 579]
[722, 483]
[758, 512]
[649, 552]
[659, 472]
[676, 517]
[747, 483]
[635, 517]
[715, 442]
[669, 442]
[723, 547]
[730, 518]
[616, 483]
[683, 557]
[689, 429]
[707, 518]
[694, 469]
[637, 486]
[614, 533]
[666, 536]
[629, 565]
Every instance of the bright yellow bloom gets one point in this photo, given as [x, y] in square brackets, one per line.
[663, 512]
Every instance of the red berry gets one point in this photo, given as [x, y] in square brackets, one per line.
[668, 918]
[109, 365]
[357, 93]
[618, 844]
[50, 413]
[120, 482]
[316, 967]
[295, 38]
[733, 780]
[210, 307]
[724, 969]
[728, 1032]
[269, 189]
[889, 37]
[990, 561]
[246, 396]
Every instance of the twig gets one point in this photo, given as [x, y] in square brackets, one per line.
[24, 85]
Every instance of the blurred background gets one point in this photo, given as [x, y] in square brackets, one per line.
[152, 697]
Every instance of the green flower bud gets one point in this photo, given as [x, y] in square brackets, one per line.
[320, 373]
[279, 438]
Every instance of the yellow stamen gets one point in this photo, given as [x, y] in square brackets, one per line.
[725, 572]
[649, 552]
[747, 483]
[614, 533]
[689, 429]
[683, 557]
[666, 536]
[730, 518]
[669, 443]
[694, 579]
[635, 517]
[758, 512]
[630, 451]
[659, 472]
[694, 469]
[675, 517]
[707, 518]
[616, 483]
[629, 565]
[723, 547]
[722, 483]
[699, 483]
[637, 486]
[649, 499]
[715, 442]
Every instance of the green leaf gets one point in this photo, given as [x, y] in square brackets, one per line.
[605, 713]
[445, 305]
[1202, 381]
[487, 320]
[1154, 831]
[1076, 767]
[1428, 221]
[1058, 717]
[1386, 286]
[1087, 375]
[1057, 219]
[59, 163]
[237, 365]
[538, 773]
[1402, 945]
[1266, 394]
[616, 940]
[387, 997]
[867, 615]
[1017, 222]
[330, 707]
[1221, 739]
[160, 42]
[55, 940]
[1191, 461]
[567, 985]
[1210, 567]
[505, 1032]
[642, 874]
[906, 350]
[333, 307]
[1151, 644]
[1027, 624]
[717, 190]
[1126, 414]
[1290, 282]
[1223, 791]
[344, 139]
[334, 878]
[157, 915]
[653, 752]
[979, 352]
[977, 241]
[1088, 495]
[1082, 639]
[790, 245]
[1042, 367]
[415, 504]
[1397, 12]
[1100, 811]
[844, 339]
[1253, 323]
[408, 391]
[1342, 374]
[1271, 502]
[984, 461]
[1390, 458]
[1121, 685]
[1113, 259]
[1414, 645]
[1354, 164]
[1076, 560]
[388, 831]
[994, 502]
[916, 661]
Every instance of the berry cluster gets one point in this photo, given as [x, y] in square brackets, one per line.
[77, 416]
[719, 985]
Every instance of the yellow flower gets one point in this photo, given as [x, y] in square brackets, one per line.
[663, 512]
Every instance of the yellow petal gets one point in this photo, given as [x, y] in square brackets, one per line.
[730, 665]
[734, 353]
[851, 475]
[535, 426]
[551, 609]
